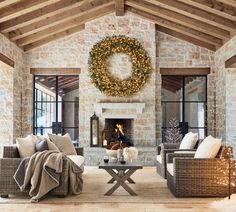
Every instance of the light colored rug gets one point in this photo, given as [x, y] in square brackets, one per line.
[150, 187]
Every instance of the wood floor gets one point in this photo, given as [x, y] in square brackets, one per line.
[153, 195]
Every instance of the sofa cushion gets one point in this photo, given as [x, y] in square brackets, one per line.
[208, 148]
[170, 168]
[189, 141]
[159, 159]
[41, 146]
[51, 145]
[78, 160]
[63, 143]
[26, 146]
[185, 152]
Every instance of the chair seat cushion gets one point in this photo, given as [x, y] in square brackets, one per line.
[78, 160]
[170, 168]
[159, 159]
[189, 141]
[208, 148]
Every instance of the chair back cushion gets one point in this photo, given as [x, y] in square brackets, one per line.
[189, 141]
[208, 148]
[63, 143]
[26, 146]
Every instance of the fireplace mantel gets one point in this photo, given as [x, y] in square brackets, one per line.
[119, 110]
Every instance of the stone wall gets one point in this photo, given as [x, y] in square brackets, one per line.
[13, 76]
[73, 51]
[225, 94]
[176, 53]
[6, 105]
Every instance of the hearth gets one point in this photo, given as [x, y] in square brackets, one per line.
[119, 130]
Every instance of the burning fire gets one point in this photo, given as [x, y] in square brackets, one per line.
[119, 129]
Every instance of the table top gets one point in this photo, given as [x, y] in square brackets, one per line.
[118, 165]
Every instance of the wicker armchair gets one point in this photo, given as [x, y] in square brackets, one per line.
[10, 162]
[190, 177]
[165, 148]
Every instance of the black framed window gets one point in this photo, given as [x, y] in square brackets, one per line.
[185, 99]
[56, 105]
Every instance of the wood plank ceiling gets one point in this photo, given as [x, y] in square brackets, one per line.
[32, 23]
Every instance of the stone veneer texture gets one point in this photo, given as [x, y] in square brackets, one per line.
[16, 54]
[73, 51]
[225, 94]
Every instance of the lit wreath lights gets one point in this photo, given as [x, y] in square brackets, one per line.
[99, 70]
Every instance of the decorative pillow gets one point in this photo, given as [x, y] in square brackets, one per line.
[51, 146]
[189, 141]
[41, 146]
[209, 148]
[63, 143]
[26, 146]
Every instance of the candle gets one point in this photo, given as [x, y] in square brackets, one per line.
[95, 140]
[104, 142]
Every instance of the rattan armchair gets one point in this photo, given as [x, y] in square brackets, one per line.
[10, 162]
[165, 148]
[191, 177]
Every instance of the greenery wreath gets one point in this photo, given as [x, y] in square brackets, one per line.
[99, 70]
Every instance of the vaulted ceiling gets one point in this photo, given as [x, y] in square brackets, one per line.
[31, 23]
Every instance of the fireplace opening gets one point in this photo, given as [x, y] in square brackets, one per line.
[119, 130]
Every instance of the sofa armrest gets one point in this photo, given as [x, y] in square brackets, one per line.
[169, 146]
[10, 151]
[80, 151]
[200, 168]
[170, 156]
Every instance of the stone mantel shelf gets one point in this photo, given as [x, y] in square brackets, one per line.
[126, 110]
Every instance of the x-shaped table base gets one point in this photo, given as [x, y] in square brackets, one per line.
[120, 177]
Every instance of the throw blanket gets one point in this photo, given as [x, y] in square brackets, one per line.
[43, 170]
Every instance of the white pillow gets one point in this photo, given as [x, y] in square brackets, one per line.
[209, 147]
[51, 145]
[189, 141]
[26, 146]
[63, 143]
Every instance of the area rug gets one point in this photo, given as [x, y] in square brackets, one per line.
[150, 187]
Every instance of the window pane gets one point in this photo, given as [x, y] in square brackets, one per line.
[69, 117]
[195, 88]
[68, 87]
[170, 111]
[172, 88]
[46, 116]
[195, 114]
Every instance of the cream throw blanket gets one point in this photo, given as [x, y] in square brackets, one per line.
[43, 171]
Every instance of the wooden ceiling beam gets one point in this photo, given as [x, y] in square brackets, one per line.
[22, 7]
[4, 3]
[88, 15]
[179, 18]
[229, 2]
[61, 18]
[120, 7]
[53, 37]
[197, 14]
[231, 62]
[178, 27]
[7, 60]
[186, 38]
[40, 14]
[214, 6]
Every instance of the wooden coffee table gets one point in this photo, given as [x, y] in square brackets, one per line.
[120, 173]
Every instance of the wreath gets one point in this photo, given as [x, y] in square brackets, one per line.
[99, 70]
